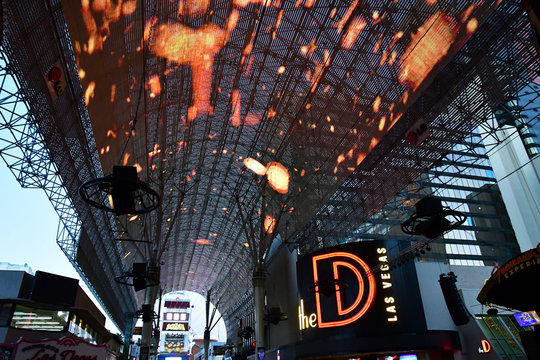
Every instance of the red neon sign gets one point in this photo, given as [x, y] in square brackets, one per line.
[361, 288]
[486, 346]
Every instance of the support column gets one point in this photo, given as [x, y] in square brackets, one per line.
[128, 332]
[207, 327]
[150, 296]
[259, 281]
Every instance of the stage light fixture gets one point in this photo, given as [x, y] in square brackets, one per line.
[432, 219]
[120, 192]
[275, 315]
[137, 277]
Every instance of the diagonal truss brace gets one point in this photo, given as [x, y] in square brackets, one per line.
[23, 149]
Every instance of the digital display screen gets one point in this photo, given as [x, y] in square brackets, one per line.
[408, 357]
[528, 318]
[206, 47]
[38, 319]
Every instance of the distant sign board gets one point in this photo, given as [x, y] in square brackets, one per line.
[175, 326]
[528, 318]
[176, 304]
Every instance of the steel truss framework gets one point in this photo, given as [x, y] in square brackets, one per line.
[484, 83]
[23, 149]
[343, 218]
[55, 157]
[197, 166]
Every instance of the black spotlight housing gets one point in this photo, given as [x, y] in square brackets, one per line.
[124, 184]
[120, 192]
[137, 277]
[274, 315]
[432, 219]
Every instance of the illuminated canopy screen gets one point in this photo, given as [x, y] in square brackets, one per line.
[213, 98]
[351, 289]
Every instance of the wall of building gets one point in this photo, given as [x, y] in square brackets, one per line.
[282, 292]
[84, 302]
[519, 181]
[470, 280]
[14, 284]
[435, 310]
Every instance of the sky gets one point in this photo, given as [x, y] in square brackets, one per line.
[28, 224]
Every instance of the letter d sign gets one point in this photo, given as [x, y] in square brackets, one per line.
[356, 265]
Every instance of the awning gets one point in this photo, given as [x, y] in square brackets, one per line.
[513, 284]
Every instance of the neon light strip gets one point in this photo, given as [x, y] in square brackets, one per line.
[338, 292]
[371, 294]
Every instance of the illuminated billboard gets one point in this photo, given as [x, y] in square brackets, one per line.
[528, 318]
[353, 288]
[175, 326]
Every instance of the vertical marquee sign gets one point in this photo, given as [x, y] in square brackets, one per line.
[352, 288]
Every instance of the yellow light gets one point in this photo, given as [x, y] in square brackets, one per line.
[111, 201]
[254, 166]
[278, 177]
[269, 224]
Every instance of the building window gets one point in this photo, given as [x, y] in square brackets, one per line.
[503, 334]
[79, 328]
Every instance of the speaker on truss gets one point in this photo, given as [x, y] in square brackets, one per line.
[139, 276]
[120, 192]
[453, 299]
[274, 315]
[432, 219]
[147, 312]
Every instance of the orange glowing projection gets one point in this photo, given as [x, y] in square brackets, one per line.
[201, 241]
[155, 85]
[352, 32]
[269, 224]
[278, 177]
[89, 92]
[428, 46]
[255, 166]
[235, 116]
[277, 174]
[110, 11]
[244, 3]
[192, 7]
[355, 264]
[195, 48]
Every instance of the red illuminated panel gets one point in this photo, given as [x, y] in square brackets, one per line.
[486, 346]
[371, 289]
